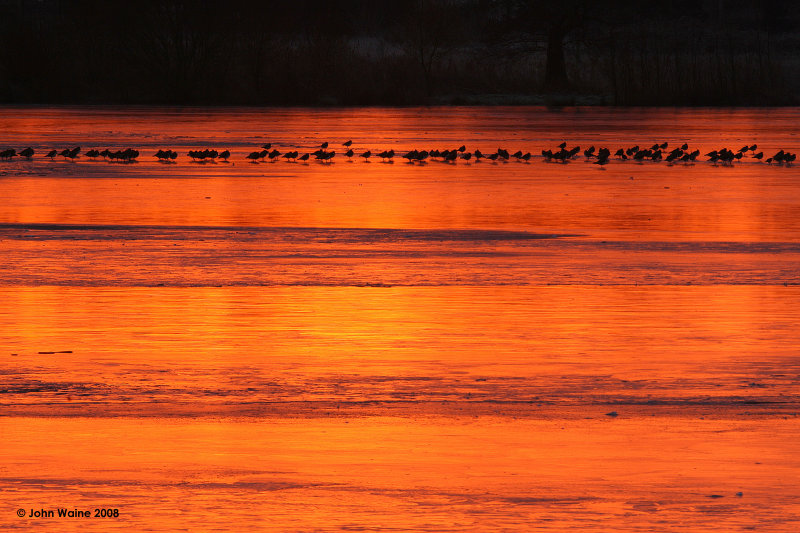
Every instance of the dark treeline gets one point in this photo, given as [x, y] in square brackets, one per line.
[359, 52]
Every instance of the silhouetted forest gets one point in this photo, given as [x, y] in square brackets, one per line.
[379, 52]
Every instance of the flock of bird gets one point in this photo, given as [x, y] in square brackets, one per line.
[658, 152]
[600, 156]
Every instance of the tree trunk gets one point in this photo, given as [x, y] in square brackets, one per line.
[555, 78]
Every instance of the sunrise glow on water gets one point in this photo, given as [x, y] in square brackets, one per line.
[367, 345]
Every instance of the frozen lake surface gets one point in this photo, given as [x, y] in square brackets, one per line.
[377, 345]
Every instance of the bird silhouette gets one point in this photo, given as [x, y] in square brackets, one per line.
[324, 156]
[412, 155]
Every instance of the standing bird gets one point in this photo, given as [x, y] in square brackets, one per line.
[303, 157]
[323, 156]
[347, 143]
[324, 145]
[52, 153]
[225, 155]
[161, 155]
[366, 155]
[27, 152]
[602, 159]
[349, 154]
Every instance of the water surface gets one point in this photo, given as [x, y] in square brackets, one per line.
[371, 345]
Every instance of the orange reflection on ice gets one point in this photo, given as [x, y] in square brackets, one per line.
[321, 350]
[751, 201]
[434, 347]
[423, 474]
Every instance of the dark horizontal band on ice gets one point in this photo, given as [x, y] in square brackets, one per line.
[362, 234]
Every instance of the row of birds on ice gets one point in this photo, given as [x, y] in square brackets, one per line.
[599, 156]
